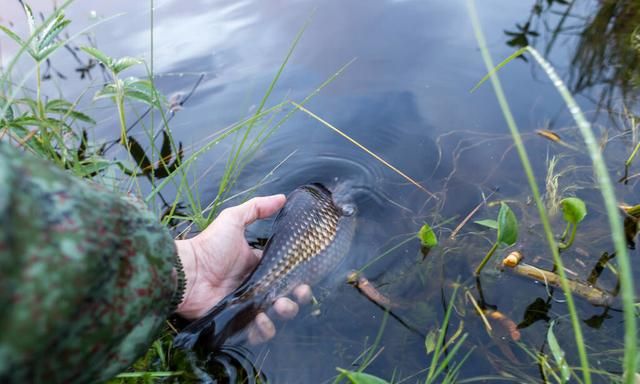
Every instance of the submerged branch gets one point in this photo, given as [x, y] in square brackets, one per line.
[594, 295]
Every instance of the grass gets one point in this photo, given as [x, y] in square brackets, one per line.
[606, 187]
[443, 366]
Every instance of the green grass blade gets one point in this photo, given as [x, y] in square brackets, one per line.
[615, 222]
[231, 167]
[497, 68]
[524, 158]
[185, 163]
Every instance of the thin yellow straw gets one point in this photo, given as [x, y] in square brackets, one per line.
[380, 159]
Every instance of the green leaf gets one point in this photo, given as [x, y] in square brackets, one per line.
[65, 108]
[30, 103]
[75, 115]
[141, 90]
[12, 35]
[427, 236]
[558, 355]
[109, 90]
[52, 31]
[46, 52]
[573, 209]
[489, 223]
[99, 55]
[430, 341]
[507, 225]
[361, 377]
[57, 104]
[8, 113]
[30, 19]
[124, 63]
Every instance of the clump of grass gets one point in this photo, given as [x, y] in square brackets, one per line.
[524, 158]
[443, 366]
[606, 188]
[53, 128]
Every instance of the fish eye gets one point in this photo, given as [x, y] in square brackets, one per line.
[348, 209]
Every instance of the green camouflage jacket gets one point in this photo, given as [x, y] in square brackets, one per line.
[86, 275]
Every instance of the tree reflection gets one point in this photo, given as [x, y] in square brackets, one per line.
[606, 59]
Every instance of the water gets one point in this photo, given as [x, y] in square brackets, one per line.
[406, 98]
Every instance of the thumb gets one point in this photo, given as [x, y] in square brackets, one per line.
[256, 208]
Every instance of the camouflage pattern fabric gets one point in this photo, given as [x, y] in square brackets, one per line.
[86, 275]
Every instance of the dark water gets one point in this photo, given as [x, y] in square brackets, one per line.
[405, 97]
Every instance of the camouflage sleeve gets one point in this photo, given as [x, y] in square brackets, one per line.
[87, 276]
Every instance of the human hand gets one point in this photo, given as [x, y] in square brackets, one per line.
[217, 261]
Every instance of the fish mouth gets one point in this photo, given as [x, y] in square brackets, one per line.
[341, 199]
[347, 209]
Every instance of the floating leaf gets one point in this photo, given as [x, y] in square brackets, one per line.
[361, 378]
[573, 209]
[430, 341]
[507, 225]
[427, 236]
[489, 223]
[558, 354]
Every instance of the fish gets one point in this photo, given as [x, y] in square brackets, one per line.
[311, 236]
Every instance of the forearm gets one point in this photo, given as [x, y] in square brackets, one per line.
[86, 275]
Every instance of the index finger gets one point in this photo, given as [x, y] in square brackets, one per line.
[256, 208]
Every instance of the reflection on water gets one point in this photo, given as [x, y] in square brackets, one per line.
[406, 98]
[606, 57]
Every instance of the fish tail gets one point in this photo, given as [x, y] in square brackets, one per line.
[188, 337]
[223, 321]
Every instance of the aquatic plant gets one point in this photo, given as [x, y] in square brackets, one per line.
[443, 368]
[506, 226]
[574, 211]
[606, 188]
[524, 159]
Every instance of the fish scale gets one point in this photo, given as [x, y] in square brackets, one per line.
[311, 235]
